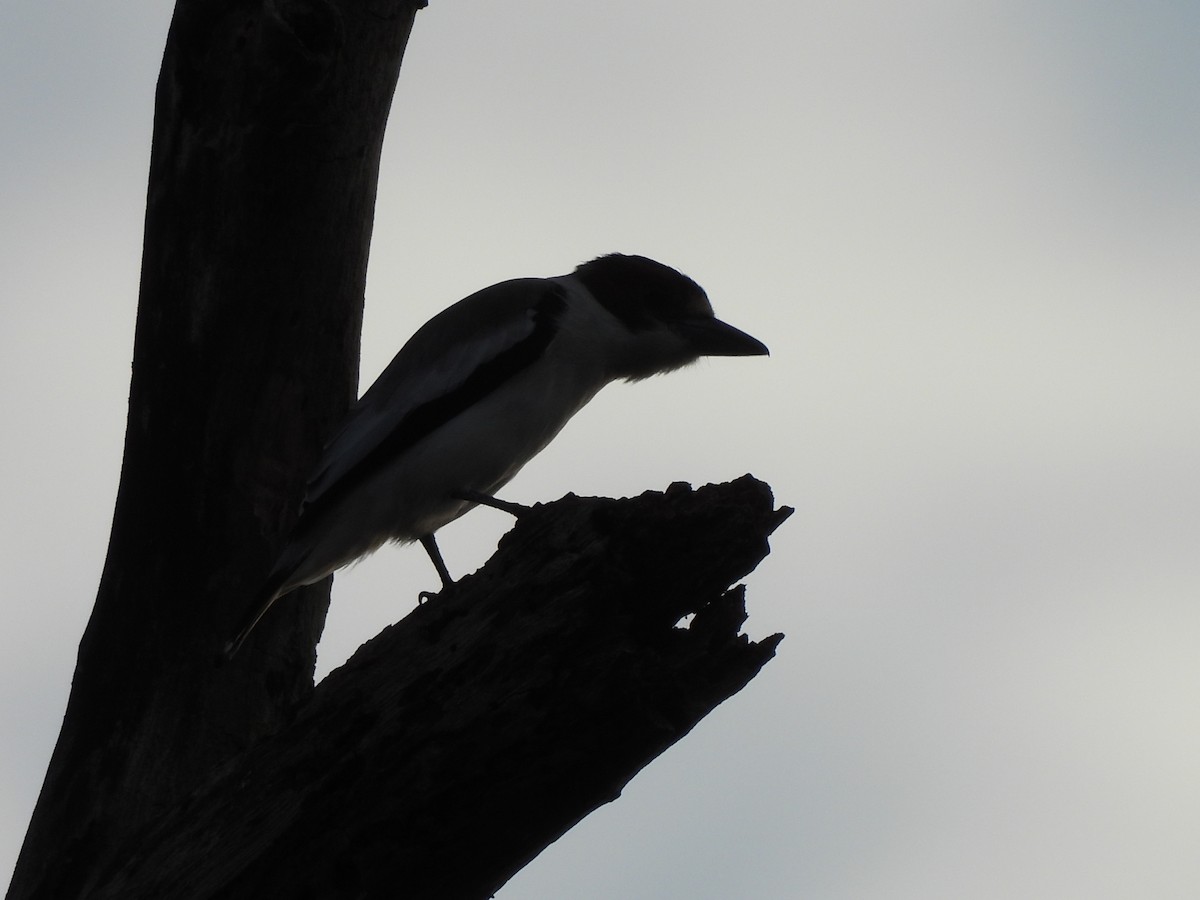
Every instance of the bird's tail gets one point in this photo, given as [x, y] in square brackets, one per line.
[271, 592]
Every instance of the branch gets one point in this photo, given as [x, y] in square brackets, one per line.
[460, 742]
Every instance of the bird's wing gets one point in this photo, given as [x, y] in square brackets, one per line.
[454, 359]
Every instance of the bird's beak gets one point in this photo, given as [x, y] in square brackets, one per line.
[712, 337]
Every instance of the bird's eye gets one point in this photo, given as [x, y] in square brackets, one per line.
[698, 305]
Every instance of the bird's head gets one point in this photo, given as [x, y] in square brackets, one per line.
[668, 316]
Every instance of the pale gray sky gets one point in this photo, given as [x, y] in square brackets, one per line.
[968, 232]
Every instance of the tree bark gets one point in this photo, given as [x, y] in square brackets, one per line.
[459, 743]
[269, 119]
[463, 740]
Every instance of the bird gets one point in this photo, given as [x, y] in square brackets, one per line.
[478, 391]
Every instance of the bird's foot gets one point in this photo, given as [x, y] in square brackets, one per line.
[435, 556]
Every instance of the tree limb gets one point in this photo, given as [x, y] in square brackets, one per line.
[456, 745]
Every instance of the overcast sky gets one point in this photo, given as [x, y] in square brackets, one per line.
[970, 234]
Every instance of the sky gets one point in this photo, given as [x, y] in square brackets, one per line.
[967, 230]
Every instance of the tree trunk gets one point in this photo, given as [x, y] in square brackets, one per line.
[269, 119]
[459, 743]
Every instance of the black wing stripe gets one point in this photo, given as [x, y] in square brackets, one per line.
[428, 417]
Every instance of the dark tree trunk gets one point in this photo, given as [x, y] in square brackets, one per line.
[269, 118]
[460, 742]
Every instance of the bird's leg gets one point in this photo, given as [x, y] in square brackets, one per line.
[435, 555]
[431, 547]
[513, 509]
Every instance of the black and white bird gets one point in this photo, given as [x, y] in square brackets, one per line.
[476, 393]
